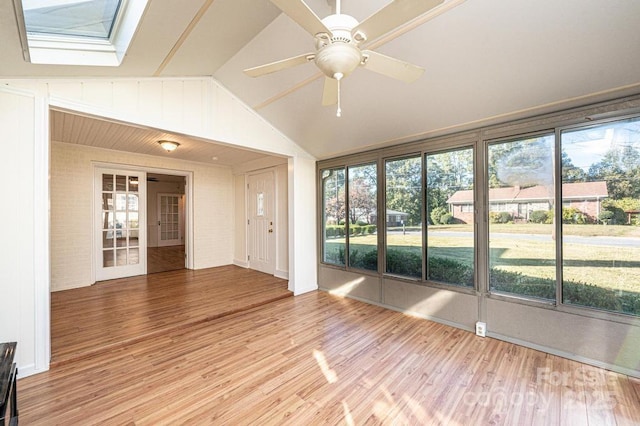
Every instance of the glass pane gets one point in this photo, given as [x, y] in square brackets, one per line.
[107, 239]
[132, 203]
[522, 248]
[107, 201]
[404, 217]
[363, 238]
[121, 257]
[333, 216]
[107, 220]
[121, 238]
[121, 202]
[133, 184]
[121, 183]
[133, 220]
[134, 256]
[121, 218]
[93, 19]
[601, 217]
[450, 234]
[133, 239]
[107, 259]
[107, 182]
[259, 204]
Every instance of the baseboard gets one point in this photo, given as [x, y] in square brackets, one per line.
[605, 365]
[28, 370]
[241, 263]
[281, 274]
[403, 311]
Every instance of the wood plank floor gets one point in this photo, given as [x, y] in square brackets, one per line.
[109, 314]
[163, 259]
[320, 359]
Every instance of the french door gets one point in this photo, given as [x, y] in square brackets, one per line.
[120, 224]
[169, 219]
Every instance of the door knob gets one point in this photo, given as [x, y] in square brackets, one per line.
[270, 230]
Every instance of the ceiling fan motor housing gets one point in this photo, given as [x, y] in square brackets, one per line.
[339, 57]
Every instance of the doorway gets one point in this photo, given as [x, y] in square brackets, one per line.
[166, 226]
[261, 207]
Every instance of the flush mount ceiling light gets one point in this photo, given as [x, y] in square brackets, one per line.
[169, 145]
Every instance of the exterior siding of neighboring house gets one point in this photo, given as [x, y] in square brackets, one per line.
[394, 218]
[520, 202]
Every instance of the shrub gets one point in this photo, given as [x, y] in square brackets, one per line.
[437, 213]
[446, 218]
[404, 262]
[371, 229]
[573, 215]
[500, 217]
[450, 271]
[355, 230]
[540, 216]
[367, 260]
[606, 216]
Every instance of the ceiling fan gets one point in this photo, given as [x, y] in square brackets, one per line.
[338, 43]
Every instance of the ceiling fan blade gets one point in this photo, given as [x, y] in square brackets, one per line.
[393, 15]
[391, 67]
[279, 65]
[330, 92]
[302, 15]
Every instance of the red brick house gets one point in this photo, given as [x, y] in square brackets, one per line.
[520, 202]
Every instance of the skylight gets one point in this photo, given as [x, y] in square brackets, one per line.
[77, 32]
[79, 18]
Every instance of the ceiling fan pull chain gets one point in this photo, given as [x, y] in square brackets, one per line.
[338, 76]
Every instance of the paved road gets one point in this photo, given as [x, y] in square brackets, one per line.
[589, 241]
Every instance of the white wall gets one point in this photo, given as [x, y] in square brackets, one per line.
[72, 207]
[240, 221]
[23, 268]
[192, 106]
[282, 222]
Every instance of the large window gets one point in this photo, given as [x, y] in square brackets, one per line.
[601, 216]
[362, 217]
[559, 215]
[450, 234]
[403, 185]
[333, 216]
[521, 197]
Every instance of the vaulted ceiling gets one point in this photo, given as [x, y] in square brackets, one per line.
[486, 61]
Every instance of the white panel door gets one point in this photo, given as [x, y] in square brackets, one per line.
[261, 216]
[120, 208]
[169, 220]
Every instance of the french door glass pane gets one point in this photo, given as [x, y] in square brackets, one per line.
[522, 249]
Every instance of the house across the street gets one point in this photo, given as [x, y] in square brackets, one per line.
[520, 202]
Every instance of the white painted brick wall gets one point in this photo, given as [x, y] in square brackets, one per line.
[71, 210]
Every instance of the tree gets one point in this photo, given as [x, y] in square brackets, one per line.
[403, 186]
[362, 193]
[620, 168]
[447, 173]
[333, 193]
[571, 173]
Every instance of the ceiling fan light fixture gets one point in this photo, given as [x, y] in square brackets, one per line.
[169, 145]
[338, 58]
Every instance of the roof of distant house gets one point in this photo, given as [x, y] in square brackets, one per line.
[577, 190]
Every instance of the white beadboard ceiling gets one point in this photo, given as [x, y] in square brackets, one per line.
[98, 133]
[485, 60]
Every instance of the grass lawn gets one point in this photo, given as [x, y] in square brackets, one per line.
[604, 266]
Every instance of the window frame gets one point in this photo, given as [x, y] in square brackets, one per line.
[77, 50]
